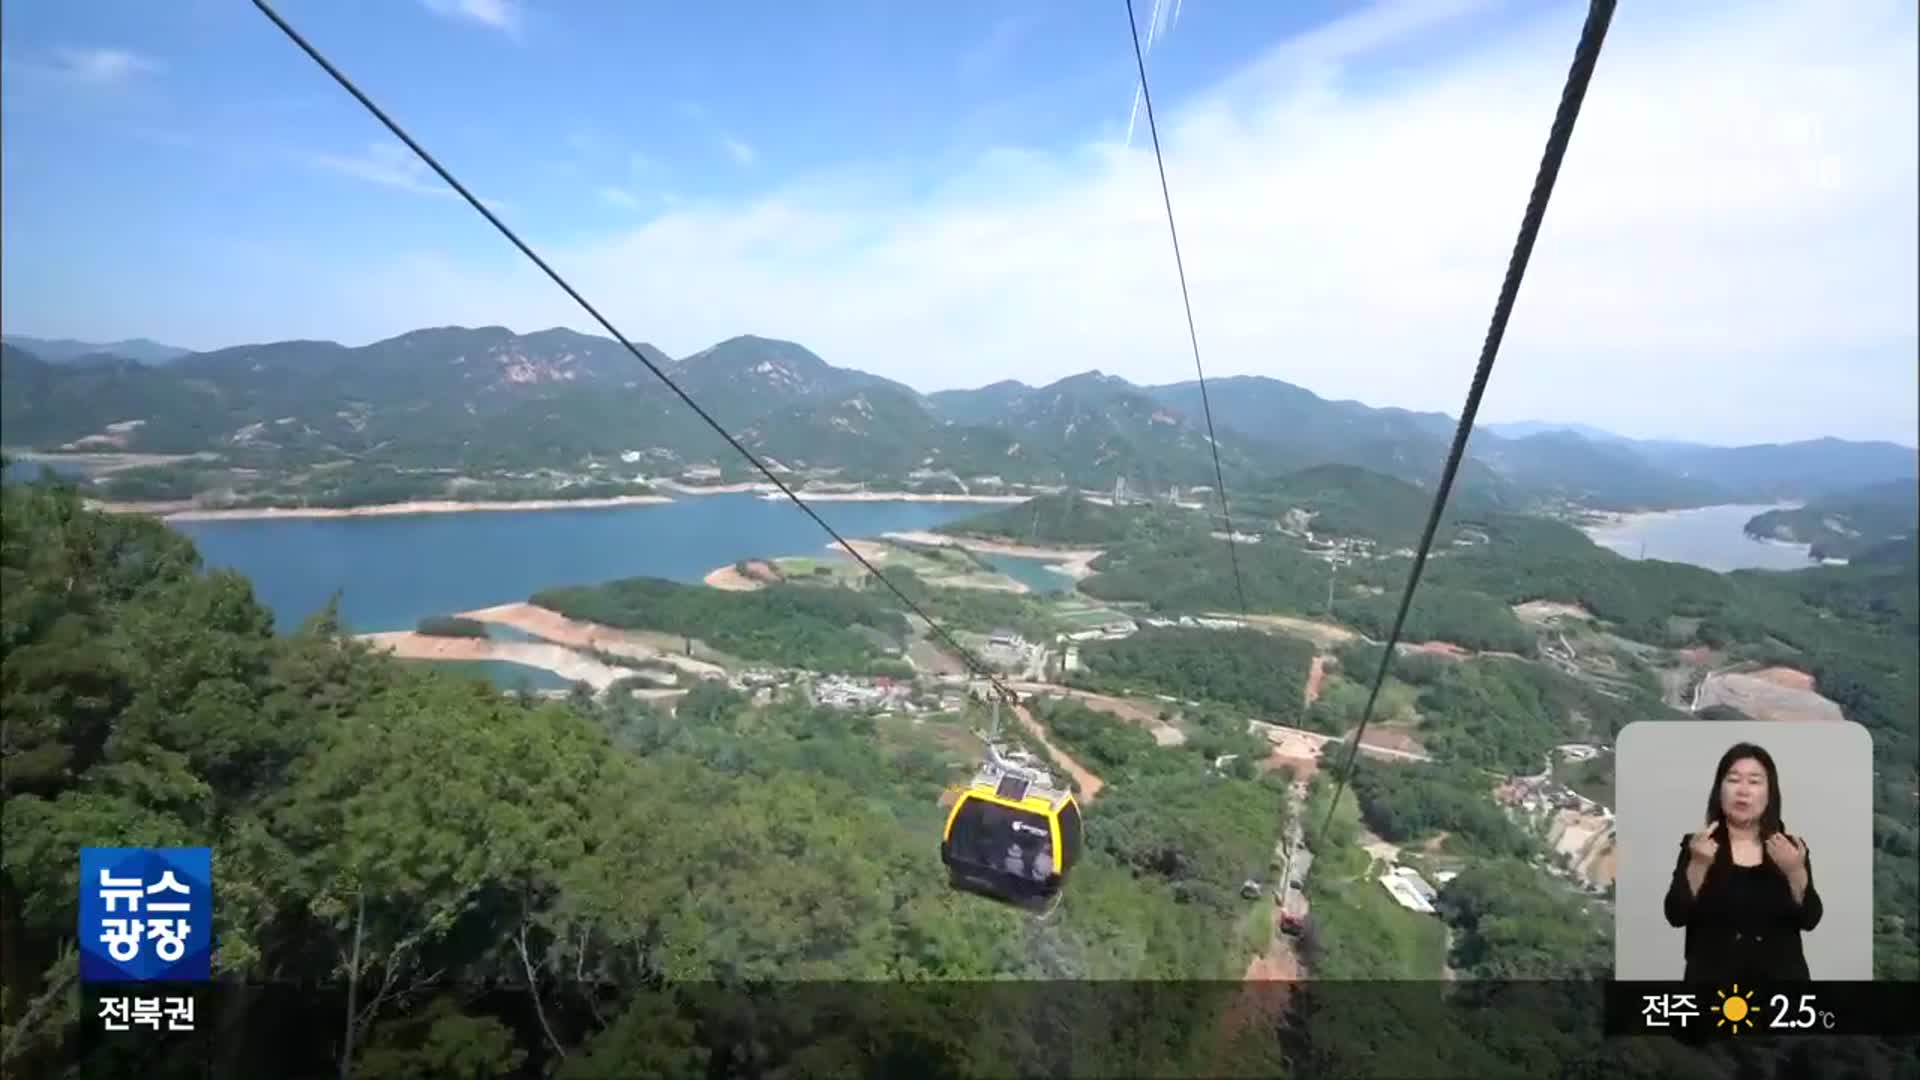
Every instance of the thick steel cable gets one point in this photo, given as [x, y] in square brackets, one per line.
[401, 134]
[1585, 56]
[1193, 337]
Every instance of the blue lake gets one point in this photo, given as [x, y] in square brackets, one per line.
[392, 571]
[1711, 536]
[23, 471]
[1032, 573]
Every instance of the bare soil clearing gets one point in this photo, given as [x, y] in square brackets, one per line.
[1770, 698]
[1074, 562]
[555, 627]
[1324, 634]
[1316, 674]
[1786, 677]
[1545, 612]
[730, 579]
[558, 659]
[1436, 648]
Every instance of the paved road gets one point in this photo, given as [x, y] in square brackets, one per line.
[1146, 712]
[1280, 733]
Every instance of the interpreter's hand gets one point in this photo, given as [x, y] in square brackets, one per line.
[1701, 846]
[1787, 852]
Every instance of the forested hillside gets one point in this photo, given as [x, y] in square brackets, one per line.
[1262, 672]
[568, 856]
[503, 880]
[1065, 518]
[1346, 501]
[1848, 523]
[785, 625]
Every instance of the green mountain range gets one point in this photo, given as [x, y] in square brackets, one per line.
[68, 351]
[439, 407]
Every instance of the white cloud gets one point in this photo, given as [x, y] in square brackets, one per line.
[388, 164]
[619, 197]
[392, 165]
[502, 15]
[740, 151]
[102, 67]
[1730, 254]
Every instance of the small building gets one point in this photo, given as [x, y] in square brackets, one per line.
[839, 692]
[1409, 889]
[1006, 648]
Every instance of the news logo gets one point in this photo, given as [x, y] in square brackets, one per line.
[146, 914]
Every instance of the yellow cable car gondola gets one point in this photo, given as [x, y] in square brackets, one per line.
[1012, 834]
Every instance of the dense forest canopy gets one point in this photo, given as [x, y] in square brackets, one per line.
[1411, 803]
[1121, 750]
[1264, 672]
[788, 625]
[1066, 518]
[1492, 712]
[1346, 501]
[1188, 571]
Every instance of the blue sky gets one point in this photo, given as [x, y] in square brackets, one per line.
[946, 194]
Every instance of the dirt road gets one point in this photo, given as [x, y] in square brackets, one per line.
[1298, 741]
[1090, 784]
[1267, 983]
[1139, 712]
[1280, 961]
[1324, 634]
[1316, 674]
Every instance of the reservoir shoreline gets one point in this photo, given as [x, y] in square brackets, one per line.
[393, 569]
[1713, 537]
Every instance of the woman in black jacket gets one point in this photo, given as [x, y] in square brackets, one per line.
[1743, 887]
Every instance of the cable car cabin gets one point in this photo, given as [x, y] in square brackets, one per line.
[1011, 834]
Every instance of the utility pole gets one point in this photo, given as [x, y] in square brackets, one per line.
[1333, 571]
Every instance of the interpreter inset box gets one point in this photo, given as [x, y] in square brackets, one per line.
[1745, 848]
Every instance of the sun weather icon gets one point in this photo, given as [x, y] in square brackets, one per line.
[1734, 1009]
